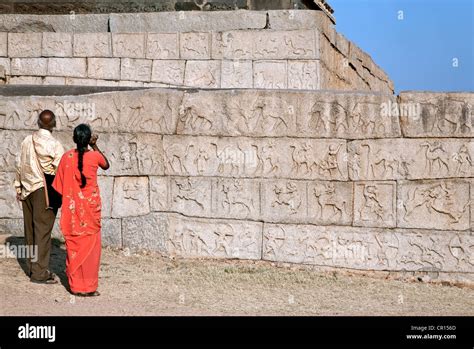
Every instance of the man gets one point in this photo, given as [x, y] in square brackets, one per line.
[40, 154]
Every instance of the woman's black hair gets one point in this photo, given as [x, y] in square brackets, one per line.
[82, 137]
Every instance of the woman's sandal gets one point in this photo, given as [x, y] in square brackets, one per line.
[90, 294]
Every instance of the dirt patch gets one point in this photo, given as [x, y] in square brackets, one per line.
[147, 284]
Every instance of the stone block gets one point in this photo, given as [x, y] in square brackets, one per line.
[3, 44]
[195, 45]
[68, 67]
[131, 197]
[9, 206]
[159, 193]
[57, 44]
[103, 68]
[24, 44]
[434, 204]
[92, 45]
[162, 46]
[128, 45]
[29, 66]
[203, 74]
[147, 232]
[303, 75]
[330, 202]
[135, 69]
[284, 201]
[112, 232]
[375, 204]
[168, 72]
[197, 238]
[236, 198]
[236, 74]
[425, 114]
[106, 187]
[190, 196]
[270, 75]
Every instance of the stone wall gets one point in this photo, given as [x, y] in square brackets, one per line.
[340, 179]
[224, 49]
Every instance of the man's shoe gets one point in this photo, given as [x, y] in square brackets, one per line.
[51, 280]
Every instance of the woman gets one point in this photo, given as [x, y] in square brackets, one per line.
[76, 181]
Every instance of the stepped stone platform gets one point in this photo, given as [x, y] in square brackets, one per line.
[244, 132]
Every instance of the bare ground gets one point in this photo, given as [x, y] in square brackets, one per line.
[147, 284]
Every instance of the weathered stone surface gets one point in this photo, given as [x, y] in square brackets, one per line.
[195, 45]
[9, 207]
[103, 68]
[191, 196]
[69, 67]
[375, 204]
[330, 202]
[296, 19]
[270, 74]
[203, 74]
[111, 232]
[472, 203]
[24, 44]
[131, 197]
[148, 232]
[54, 23]
[236, 74]
[81, 82]
[434, 204]
[5, 63]
[244, 157]
[106, 187]
[92, 45]
[232, 45]
[54, 80]
[369, 248]
[303, 75]
[57, 44]
[135, 69]
[296, 44]
[128, 45]
[3, 44]
[187, 21]
[236, 198]
[12, 226]
[437, 114]
[265, 45]
[162, 46]
[284, 201]
[132, 155]
[29, 66]
[159, 193]
[352, 116]
[130, 112]
[193, 237]
[168, 72]
[24, 80]
[413, 159]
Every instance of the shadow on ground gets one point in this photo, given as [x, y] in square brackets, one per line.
[57, 263]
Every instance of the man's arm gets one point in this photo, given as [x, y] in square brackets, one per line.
[17, 182]
[58, 154]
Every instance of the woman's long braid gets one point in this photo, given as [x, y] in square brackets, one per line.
[80, 163]
[82, 137]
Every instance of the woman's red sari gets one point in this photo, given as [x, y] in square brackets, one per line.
[81, 219]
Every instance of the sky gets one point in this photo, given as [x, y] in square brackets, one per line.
[425, 45]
